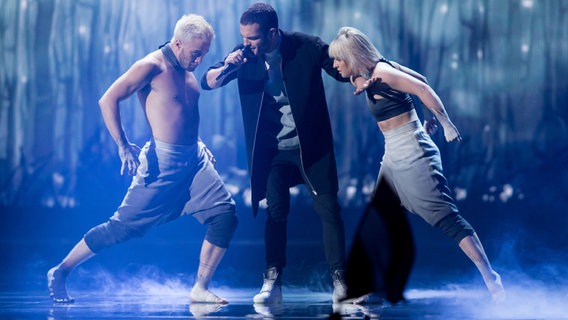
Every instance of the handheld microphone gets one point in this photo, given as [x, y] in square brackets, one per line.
[247, 53]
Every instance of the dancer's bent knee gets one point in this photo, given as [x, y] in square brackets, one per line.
[108, 234]
[221, 229]
[455, 226]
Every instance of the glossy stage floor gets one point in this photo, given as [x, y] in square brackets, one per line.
[166, 301]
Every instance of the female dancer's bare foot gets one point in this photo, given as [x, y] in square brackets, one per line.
[496, 288]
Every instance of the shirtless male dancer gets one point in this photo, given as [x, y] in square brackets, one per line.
[173, 174]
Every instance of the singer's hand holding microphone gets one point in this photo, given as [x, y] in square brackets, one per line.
[235, 59]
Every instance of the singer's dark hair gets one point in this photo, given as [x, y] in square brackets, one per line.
[261, 13]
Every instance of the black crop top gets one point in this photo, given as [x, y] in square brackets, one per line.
[392, 104]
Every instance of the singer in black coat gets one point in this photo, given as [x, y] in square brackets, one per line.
[288, 135]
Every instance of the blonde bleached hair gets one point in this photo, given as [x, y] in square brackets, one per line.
[356, 49]
[193, 26]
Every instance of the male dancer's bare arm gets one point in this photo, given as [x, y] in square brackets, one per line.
[134, 79]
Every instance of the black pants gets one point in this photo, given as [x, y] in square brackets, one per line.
[286, 172]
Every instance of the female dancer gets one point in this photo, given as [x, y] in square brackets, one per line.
[411, 165]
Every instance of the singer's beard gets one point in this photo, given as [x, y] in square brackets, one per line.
[261, 49]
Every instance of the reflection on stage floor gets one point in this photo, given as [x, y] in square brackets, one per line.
[449, 303]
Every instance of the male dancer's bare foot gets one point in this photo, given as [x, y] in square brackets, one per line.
[496, 288]
[204, 309]
[56, 279]
[202, 295]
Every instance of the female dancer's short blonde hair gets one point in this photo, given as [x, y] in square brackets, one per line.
[354, 47]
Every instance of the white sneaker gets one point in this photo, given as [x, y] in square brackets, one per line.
[271, 291]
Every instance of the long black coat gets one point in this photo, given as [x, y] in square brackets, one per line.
[303, 58]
